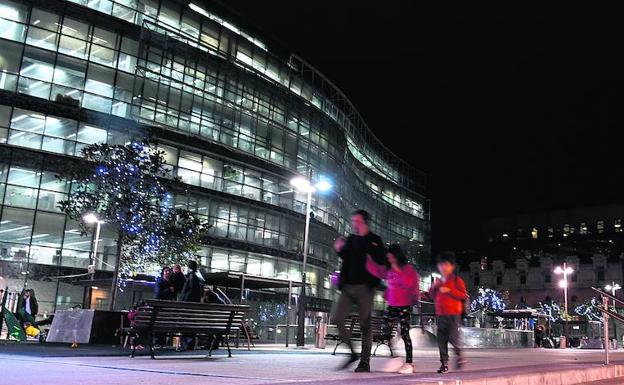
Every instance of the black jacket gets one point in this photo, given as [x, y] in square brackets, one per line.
[162, 290]
[34, 306]
[192, 290]
[353, 255]
[177, 280]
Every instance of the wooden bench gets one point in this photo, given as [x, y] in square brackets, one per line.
[382, 335]
[160, 317]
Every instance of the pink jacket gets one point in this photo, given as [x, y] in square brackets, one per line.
[403, 287]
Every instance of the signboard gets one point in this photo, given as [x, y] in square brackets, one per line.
[71, 326]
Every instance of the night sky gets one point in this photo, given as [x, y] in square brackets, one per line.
[508, 107]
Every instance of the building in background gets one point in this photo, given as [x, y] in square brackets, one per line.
[521, 253]
[237, 116]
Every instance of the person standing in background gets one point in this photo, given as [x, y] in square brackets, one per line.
[164, 288]
[357, 285]
[192, 289]
[177, 280]
[27, 307]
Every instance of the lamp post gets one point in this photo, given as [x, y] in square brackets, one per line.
[304, 185]
[613, 287]
[565, 270]
[92, 218]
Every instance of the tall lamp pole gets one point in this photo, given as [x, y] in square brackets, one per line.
[92, 218]
[613, 287]
[565, 270]
[304, 185]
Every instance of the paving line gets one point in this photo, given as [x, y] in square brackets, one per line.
[155, 371]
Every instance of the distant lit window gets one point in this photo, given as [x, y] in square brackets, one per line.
[566, 230]
[583, 228]
[551, 232]
[534, 233]
[600, 227]
[618, 225]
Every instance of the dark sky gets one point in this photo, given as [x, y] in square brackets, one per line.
[509, 107]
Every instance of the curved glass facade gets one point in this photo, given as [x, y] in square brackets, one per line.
[236, 117]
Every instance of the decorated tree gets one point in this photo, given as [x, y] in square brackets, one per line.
[488, 300]
[130, 188]
[589, 310]
[552, 310]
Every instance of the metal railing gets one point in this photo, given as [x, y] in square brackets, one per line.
[606, 314]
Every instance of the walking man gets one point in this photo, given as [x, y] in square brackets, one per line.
[449, 294]
[357, 285]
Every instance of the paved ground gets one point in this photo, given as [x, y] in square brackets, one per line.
[270, 366]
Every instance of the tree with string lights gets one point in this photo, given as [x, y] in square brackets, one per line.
[487, 301]
[130, 188]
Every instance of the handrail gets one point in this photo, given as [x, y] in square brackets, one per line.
[617, 316]
[608, 295]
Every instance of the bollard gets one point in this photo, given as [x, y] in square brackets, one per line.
[321, 331]
[605, 302]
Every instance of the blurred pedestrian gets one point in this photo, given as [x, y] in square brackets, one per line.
[402, 292]
[449, 294]
[357, 285]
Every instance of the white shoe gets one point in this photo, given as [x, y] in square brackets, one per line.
[406, 369]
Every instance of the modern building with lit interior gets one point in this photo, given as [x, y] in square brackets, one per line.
[238, 116]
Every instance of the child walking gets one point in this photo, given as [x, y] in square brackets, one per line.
[448, 293]
[402, 292]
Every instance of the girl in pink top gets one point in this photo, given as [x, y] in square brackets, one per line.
[402, 292]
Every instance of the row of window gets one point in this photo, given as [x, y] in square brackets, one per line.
[46, 75]
[30, 215]
[583, 228]
[213, 33]
[30, 129]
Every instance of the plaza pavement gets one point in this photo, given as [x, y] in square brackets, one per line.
[273, 365]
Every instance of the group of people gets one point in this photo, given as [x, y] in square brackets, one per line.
[365, 262]
[173, 285]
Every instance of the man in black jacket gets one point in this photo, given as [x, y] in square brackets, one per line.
[27, 307]
[357, 285]
[192, 290]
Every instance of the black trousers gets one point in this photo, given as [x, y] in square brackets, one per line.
[402, 315]
[448, 331]
[362, 296]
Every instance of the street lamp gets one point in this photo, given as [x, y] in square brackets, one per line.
[305, 185]
[613, 287]
[93, 218]
[565, 270]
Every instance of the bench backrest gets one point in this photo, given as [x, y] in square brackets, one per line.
[378, 327]
[160, 316]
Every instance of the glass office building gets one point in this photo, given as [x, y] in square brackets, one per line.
[236, 114]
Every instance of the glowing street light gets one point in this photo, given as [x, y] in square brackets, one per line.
[305, 185]
[93, 218]
[565, 270]
[613, 287]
